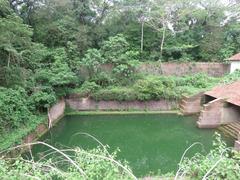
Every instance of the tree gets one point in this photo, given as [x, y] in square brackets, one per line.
[13, 108]
[92, 61]
[14, 36]
[114, 48]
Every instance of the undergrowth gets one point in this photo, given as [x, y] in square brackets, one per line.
[152, 87]
[14, 136]
[220, 163]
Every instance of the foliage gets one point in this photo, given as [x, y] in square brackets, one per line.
[115, 93]
[61, 74]
[156, 88]
[12, 76]
[95, 164]
[14, 37]
[114, 48]
[220, 163]
[44, 43]
[57, 75]
[42, 98]
[92, 61]
[116, 51]
[87, 88]
[13, 108]
[10, 137]
[35, 57]
[235, 76]
[103, 78]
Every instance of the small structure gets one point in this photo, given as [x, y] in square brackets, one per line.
[221, 105]
[234, 62]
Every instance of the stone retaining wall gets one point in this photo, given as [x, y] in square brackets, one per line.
[181, 69]
[172, 68]
[211, 114]
[55, 113]
[86, 104]
[191, 105]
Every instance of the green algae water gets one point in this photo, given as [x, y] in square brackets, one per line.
[151, 143]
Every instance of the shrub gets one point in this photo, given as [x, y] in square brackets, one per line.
[13, 107]
[123, 71]
[153, 88]
[92, 61]
[42, 99]
[87, 164]
[220, 163]
[198, 81]
[114, 48]
[87, 88]
[231, 77]
[115, 93]
[103, 79]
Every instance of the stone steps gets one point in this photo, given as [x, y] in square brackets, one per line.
[183, 103]
[231, 129]
[190, 104]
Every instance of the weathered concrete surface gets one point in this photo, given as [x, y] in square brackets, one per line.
[55, 112]
[172, 68]
[218, 112]
[237, 145]
[191, 105]
[211, 114]
[230, 113]
[86, 104]
[181, 69]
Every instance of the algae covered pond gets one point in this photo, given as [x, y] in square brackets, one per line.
[149, 142]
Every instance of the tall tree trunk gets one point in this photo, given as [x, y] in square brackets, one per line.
[142, 36]
[161, 47]
[162, 42]
[8, 63]
[49, 119]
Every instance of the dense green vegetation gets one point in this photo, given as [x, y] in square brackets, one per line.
[221, 163]
[150, 87]
[51, 48]
[94, 164]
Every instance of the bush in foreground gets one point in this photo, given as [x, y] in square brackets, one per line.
[220, 163]
[82, 164]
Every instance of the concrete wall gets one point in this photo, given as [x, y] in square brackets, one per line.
[234, 66]
[191, 105]
[85, 104]
[181, 69]
[218, 112]
[211, 114]
[237, 143]
[230, 113]
[55, 112]
[172, 69]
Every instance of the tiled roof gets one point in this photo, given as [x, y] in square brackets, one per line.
[236, 57]
[230, 92]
